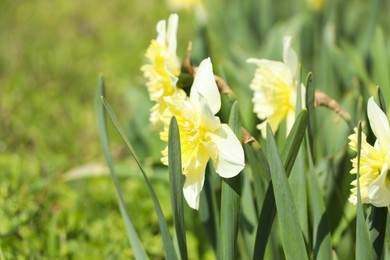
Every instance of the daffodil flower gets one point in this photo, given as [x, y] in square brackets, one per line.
[164, 67]
[374, 160]
[184, 4]
[316, 5]
[275, 89]
[202, 135]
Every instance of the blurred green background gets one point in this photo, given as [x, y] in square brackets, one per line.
[56, 197]
[51, 54]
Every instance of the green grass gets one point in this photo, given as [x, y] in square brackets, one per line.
[51, 54]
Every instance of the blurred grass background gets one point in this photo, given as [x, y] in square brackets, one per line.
[56, 197]
[51, 54]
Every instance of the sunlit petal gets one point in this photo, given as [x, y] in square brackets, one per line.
[289, 56]
[173, 22]
[207, 118]
[379, 123]
[192, 188]
[230, 159]
[161, 32]
[204, 84]
[379, 190]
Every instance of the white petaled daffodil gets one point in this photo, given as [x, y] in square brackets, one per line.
[275, 89]
[374, 160]
[202, 135]
[164, 67]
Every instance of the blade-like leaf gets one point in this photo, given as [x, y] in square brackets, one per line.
[101, 120]
[377, 229]
[321, 232]
[363, 245]
[248, 219]
[176, 183]
[382, 103]
[378, 217]
[292, 238]
[230, 201]
[268, 210]
[208, 210]
[258, 175]
[169, 250]
[299, 184]
[380, 61]
[294, 140]
[310, 100]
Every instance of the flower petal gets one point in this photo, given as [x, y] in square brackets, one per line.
[207, 119]
[192, 188]
[204, 84]
[289, 56]
[379, 190]
[230, 157]
[161, 32]
[173, 22]
[379, 123]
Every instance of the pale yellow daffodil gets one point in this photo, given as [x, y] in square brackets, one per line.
[164, 67]
[184, 4]
[316, 5]
[202, 136]
[374, 160]
[275, 89]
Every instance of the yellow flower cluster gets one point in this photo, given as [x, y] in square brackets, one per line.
[202, 135]
[164, 67]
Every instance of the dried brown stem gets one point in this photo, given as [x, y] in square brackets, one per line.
[187, 66]
[321, 99]
[246, 137]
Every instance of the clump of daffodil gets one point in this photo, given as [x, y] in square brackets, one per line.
[275, 89]
[202, 135]
[374, 160]
[164, 67]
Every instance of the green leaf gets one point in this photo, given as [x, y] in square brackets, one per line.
[380, 62]
[208, 210]
[299, 184]
[294, 140]
[363, 244]
[169, 250]
[377, 229]
[292, 238]
[268, 210]
[248, 219]
[176, 180]
[382, 103]
[310, 100]
[139, 252]
[260, 182]
[230, 201]
[321, 232]
[378, 216]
